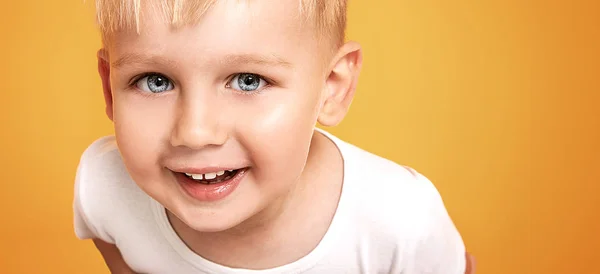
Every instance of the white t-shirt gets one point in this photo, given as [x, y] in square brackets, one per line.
[407, 230]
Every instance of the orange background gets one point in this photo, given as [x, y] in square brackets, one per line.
[497, 102]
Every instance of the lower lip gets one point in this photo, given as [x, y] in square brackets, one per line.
[212, 192]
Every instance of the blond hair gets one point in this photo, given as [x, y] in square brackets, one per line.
[329, 16]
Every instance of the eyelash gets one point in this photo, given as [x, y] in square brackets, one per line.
[135, 79]
[269, 82]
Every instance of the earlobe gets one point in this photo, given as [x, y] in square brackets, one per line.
[104, 71]
[341, 84]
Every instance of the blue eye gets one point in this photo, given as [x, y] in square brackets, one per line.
[247, 82]
[154, 83]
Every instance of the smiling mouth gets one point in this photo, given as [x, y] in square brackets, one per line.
[213, 177]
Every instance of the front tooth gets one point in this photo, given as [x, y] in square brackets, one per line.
[209, 176]
[220, 172]
[196, 176]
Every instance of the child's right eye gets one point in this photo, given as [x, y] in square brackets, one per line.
[154, 83]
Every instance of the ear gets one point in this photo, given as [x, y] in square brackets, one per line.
[341, 84]
[104, 71]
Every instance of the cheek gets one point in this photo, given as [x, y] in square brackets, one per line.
[278, 134]
[141, 124]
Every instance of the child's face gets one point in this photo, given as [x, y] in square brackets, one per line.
[241, 90]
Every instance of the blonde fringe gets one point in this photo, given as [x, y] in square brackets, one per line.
[112, 15]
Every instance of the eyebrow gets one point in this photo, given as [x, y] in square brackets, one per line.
[256, 59]
[141, 59]
[228, 60]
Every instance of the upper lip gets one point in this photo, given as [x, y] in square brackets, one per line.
[204, 170]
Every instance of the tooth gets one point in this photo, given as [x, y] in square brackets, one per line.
[188, 174]
[197, 176]
[209, 176]
[220, 172]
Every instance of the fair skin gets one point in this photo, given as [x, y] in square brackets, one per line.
[200, 117]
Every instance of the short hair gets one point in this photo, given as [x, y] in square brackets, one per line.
[328, 16]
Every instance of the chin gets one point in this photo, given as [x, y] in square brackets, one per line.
[211, 221]
[212, 226]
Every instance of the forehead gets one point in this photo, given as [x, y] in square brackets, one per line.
[265, 27]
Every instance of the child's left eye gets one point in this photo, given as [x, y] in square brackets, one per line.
[247, 82]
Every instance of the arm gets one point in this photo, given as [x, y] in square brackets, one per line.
[112, 258]
[470, 264]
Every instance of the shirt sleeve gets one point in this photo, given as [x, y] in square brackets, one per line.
[83, 230]
[83, 224]
[440, 249]
[87, 208]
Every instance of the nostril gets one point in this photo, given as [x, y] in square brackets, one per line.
[198, 136]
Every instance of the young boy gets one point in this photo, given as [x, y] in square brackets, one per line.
[216, 165]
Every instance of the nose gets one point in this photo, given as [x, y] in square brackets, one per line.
[198, 125]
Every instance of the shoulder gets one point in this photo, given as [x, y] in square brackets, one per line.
[101, 171]
[101, 154]
[104, 193]
[384, 184]
[401, 211]
[397, 198]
